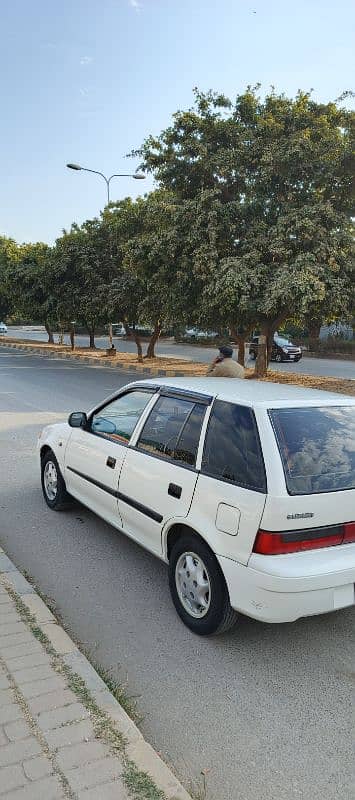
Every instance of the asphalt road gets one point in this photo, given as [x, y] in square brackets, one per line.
[265, 710]
[307, 366]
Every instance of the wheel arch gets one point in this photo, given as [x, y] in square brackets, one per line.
[175, 532]
[44, 450]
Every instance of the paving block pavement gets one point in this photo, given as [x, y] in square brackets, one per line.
[63, 736]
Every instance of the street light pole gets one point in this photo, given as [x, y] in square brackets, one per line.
[138, 176]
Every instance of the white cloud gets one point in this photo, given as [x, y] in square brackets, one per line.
[86, 60]
[136, 5]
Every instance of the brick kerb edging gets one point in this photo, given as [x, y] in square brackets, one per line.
[106, 362]
[137, 749]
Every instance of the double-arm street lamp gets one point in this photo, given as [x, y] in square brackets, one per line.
[138, 176]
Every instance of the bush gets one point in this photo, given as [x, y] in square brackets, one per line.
[334, 344]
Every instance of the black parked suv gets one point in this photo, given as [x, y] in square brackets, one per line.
[283, 349]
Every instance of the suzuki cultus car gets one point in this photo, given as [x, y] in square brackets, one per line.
[245, 489]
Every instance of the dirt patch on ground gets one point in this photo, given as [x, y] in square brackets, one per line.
[341, 385]
[176, 365]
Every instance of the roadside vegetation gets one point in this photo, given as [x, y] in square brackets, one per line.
[251, 225]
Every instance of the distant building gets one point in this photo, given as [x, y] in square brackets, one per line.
[337, 329]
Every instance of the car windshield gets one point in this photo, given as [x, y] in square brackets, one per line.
[281, 341]
[317, 447]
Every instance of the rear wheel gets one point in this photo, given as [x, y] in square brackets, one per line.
[198, 588]
[252, 354]
[53, 486]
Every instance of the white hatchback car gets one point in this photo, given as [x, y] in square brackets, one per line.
[246, 490]
[3, 327]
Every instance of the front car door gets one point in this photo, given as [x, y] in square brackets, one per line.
[94, 456]
[159, 476]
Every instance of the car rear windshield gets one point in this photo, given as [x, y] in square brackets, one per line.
[317, 447]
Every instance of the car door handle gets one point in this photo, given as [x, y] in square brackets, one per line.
[111, 462]
[175, 490]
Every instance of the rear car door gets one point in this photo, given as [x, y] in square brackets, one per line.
[159, 476]
[94, 457]
[231, 490]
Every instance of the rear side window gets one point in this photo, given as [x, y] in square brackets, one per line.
[232, 449]
[317, 447]
[173, 429]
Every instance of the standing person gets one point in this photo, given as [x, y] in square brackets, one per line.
[224, 366]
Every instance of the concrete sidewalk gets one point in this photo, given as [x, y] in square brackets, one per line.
[62, 733]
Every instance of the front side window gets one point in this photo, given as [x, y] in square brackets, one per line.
[232, 450]
[317, 447]
[173, 429]
[118, 419]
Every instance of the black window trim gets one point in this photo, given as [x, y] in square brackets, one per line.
[164, 460]
[226, 480]
[186, 394]
[289, 492]
[136, 388]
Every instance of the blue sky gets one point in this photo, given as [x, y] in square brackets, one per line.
[87, 81]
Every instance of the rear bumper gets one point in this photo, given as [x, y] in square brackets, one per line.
[289, 589]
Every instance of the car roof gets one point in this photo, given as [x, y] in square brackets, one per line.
[253, 392]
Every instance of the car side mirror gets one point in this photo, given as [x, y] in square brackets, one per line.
[77, 419]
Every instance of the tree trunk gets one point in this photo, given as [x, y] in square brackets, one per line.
[266, 341]
[138, 344]
[139, 347]
[49, 332]
[91, 331]
[269, 344]
[261, 358]
[241, 349]
[314, 331]
[153, 340]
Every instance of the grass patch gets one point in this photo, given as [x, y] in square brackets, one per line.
[139, 784]
[119, 691]
[198, 790]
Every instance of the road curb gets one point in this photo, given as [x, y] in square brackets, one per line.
[137, 749]
[105, 362]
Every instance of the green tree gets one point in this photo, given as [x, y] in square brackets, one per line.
[9, 257]
[151, 258]
[270, 180]
[29, 284]
[82, 264]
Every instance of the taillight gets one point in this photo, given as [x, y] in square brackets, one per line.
[349, 532]
[270, 543]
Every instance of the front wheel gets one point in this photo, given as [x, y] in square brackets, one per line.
[198, 588]
[278, 357]
[53, 486]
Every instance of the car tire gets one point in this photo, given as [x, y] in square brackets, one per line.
[53, 486]
[252, 354]
[214, 614]
[278, 358]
